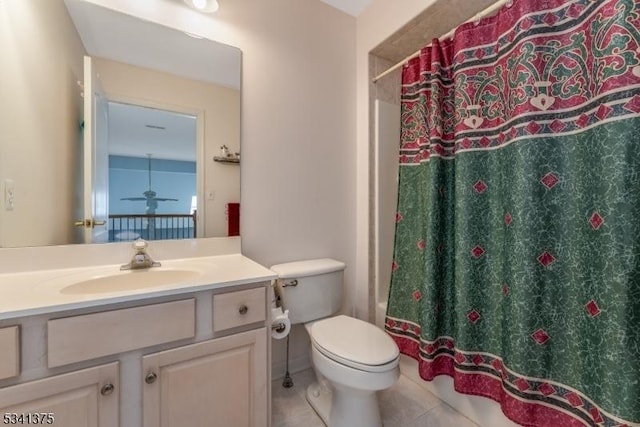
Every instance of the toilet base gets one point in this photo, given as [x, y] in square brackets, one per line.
[320, 400]
[344, 407]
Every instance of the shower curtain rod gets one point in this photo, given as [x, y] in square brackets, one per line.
[486, 12]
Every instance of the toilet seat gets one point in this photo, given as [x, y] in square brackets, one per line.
[354, 343]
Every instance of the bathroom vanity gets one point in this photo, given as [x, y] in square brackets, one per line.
[182, 344]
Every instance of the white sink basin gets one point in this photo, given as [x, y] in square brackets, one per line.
[131, 280]
[103, 280]
[58, 290]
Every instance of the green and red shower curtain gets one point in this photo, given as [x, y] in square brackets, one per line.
[517, 254]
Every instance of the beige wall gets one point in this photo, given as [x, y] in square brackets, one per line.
[298, 198]
[298, 121]
[218, 111]
[40, 116]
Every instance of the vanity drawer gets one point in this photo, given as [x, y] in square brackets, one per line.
[73, 339]
[239, 308]
[9, 352]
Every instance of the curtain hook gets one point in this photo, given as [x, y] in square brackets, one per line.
[476, 20]
[509, 3]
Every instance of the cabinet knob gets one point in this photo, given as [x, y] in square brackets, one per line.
[243, 309]
[150, 378]
[107, 389]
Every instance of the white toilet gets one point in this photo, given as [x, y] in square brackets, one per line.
[353, 359]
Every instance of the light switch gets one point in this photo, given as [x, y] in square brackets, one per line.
[9, 194]
[211, 195]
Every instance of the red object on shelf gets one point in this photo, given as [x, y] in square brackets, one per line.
[233, 219]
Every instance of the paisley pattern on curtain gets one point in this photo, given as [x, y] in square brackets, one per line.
[517, 253]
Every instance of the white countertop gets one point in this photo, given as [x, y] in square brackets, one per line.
[46, 291]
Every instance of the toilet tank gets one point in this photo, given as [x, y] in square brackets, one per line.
[310, 289]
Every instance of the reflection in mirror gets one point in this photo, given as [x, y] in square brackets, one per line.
[148, 74]
[152, 174]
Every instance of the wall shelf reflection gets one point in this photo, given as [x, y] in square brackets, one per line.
[229, 159]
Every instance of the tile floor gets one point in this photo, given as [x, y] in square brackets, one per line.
[403, 405]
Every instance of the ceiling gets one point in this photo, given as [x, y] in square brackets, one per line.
[352, 7]
[108, 34]
[136, 131]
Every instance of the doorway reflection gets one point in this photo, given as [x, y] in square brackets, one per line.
[152, 173]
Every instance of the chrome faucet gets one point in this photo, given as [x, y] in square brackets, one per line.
[141, 258]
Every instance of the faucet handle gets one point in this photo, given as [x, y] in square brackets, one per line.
[140, 245]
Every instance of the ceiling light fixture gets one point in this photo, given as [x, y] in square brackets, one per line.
[207, 6]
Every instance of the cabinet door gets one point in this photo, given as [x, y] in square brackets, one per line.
[9, 352]
[221, 382]
[85, 398]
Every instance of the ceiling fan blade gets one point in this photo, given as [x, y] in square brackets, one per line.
[164, 199]
[135, 199]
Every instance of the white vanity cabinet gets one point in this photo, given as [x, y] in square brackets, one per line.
[221, 382]
[83, 398]
[196, 358]
[9, 352]
[218, 382]
[85, 337]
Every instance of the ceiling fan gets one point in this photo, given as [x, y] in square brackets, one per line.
[150, 195]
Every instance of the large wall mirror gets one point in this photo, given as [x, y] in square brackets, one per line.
[165, 121]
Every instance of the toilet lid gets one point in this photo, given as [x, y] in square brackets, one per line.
[353, 340]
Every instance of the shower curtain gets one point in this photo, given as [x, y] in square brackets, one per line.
[517, 252]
